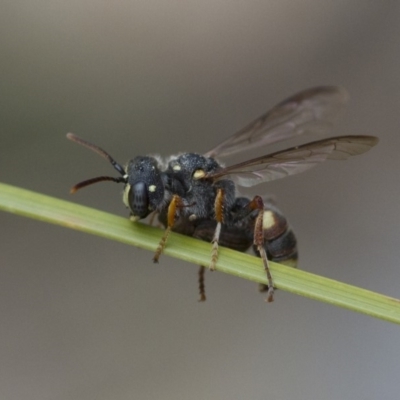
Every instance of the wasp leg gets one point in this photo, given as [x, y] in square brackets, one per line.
[282, 249]
[219, 217]
[174, 205]
[202, 288]
[279, 240]
[258, 204]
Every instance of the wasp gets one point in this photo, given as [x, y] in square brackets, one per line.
[196, 195]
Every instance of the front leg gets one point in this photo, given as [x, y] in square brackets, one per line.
[173, 207]
[219, 217]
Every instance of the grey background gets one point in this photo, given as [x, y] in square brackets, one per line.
[86, 318]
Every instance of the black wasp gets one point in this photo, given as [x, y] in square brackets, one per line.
[195, 195]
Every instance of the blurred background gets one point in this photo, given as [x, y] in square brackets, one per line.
[86, 318]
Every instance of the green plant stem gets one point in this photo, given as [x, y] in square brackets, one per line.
[74, 216]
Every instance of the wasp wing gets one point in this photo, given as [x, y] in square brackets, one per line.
[295, 160]
[310, 111]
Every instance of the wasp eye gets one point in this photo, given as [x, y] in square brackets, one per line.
[138, 200]
[199, 173]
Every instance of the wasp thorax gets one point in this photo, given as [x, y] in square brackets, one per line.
[144, 190]
[199, 173]
[193, 165]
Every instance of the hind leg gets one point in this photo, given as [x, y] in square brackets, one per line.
[280, 243]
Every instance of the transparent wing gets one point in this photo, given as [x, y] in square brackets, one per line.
[310, 111]
[295, 160]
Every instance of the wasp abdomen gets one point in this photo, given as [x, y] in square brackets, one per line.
[283, 249]
[279, 240]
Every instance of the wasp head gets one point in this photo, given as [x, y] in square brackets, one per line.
[144, 189]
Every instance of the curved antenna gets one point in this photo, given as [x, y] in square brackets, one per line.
[99, 151]
[88, 182]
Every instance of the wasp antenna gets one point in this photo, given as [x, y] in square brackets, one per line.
[88, 182]
[97, 150]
